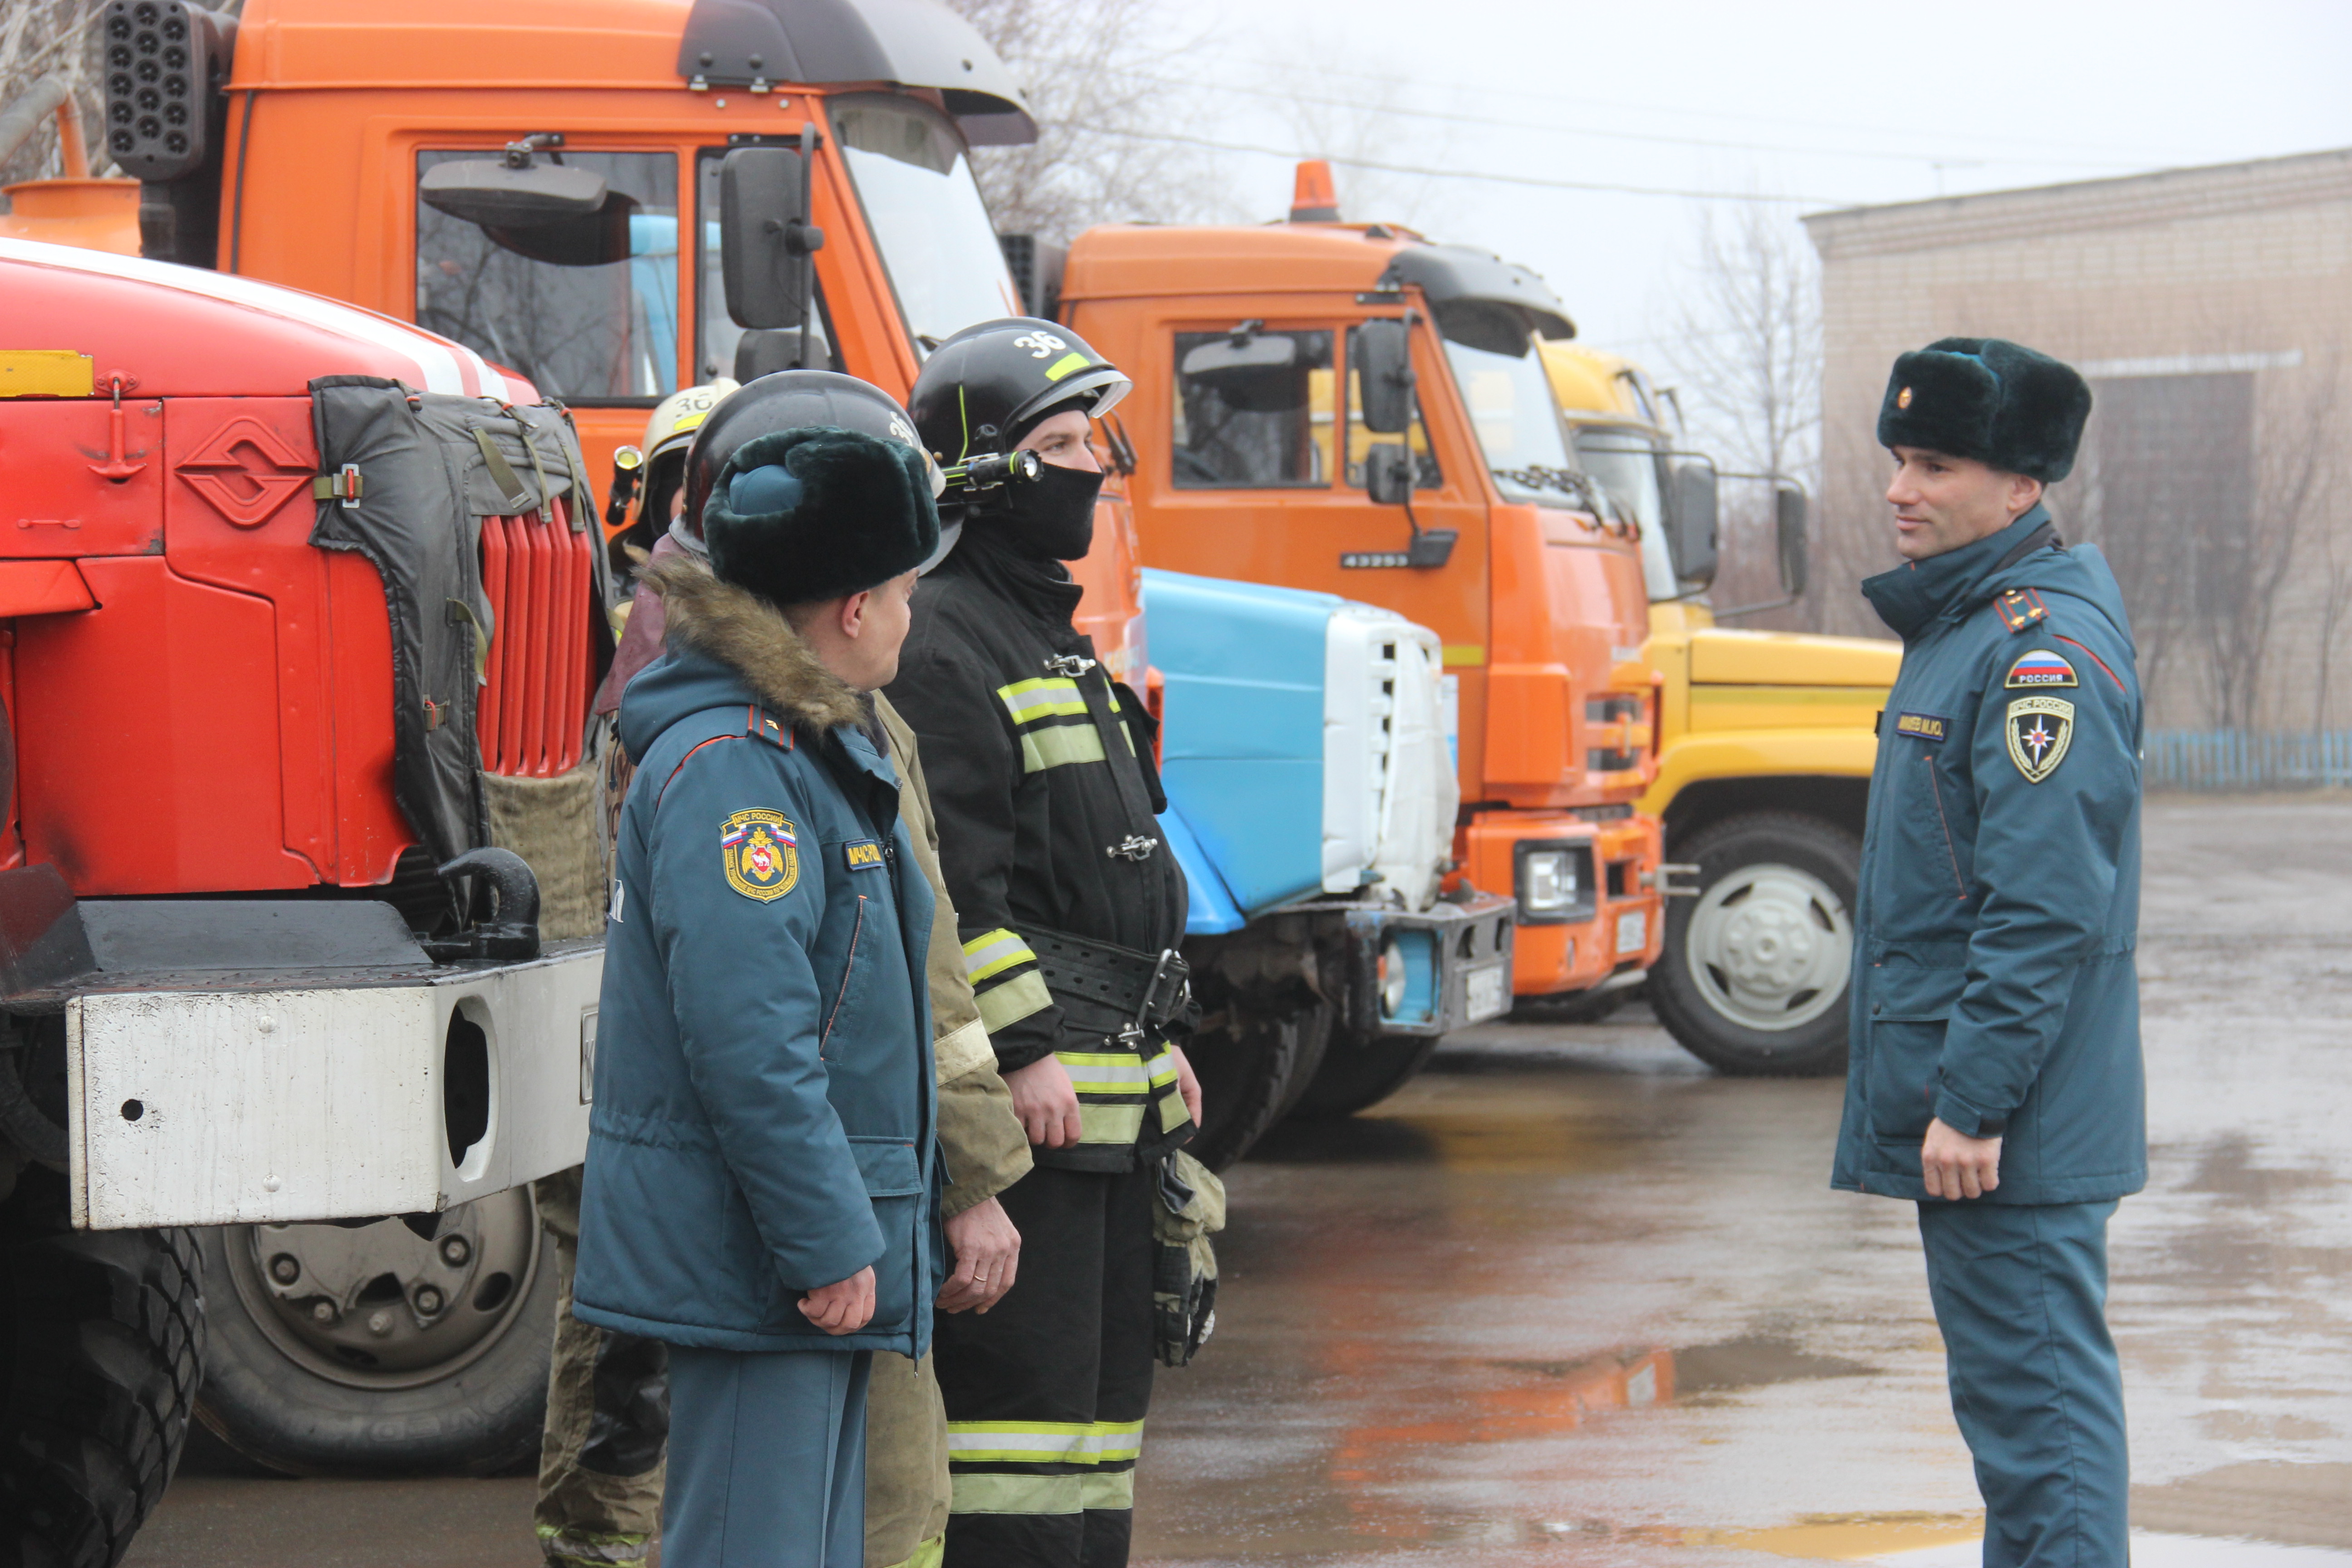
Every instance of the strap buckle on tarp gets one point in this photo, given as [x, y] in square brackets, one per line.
[344, 486]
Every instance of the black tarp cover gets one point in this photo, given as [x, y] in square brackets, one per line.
[425, 484]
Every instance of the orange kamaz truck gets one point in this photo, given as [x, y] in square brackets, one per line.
[1349, 407]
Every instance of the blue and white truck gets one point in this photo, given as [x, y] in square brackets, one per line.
[1307, 749]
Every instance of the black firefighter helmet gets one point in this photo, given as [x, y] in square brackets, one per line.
[789, 400]
[989, 385]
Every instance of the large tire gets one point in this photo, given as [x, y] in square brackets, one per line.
[1754, 977]
[462, 1391]
[102, 1347]
[1251, 1069]
[1360, 1071]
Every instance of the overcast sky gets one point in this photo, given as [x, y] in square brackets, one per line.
[1833, 104]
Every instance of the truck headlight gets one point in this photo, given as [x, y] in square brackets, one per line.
[1553, 881]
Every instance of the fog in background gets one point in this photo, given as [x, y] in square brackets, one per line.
[1601, 143]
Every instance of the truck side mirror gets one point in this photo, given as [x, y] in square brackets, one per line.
[1788, 509]
[765, 238]
[1690, 526]
[499, 195]
[1383, 351]
[1388, 473]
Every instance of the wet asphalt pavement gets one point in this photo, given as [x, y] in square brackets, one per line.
[1571, 1299]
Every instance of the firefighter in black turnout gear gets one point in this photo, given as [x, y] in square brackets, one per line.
[1071, 910]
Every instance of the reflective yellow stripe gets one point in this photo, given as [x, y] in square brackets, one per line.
[1105, 1072]
[1046, 697]
[993, 954]
[1021, 1442]
[1043, 1442]
[1172, 1114]
[1013, 1001]
[1115, 1491]
[1117, 1440]
[1020, 1494]
[1058, 745]
[1117, 1072]
[929, 1554]
[1110, 1123]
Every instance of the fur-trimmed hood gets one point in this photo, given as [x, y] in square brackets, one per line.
[746, 647]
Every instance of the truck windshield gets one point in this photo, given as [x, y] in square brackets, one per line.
[1630, 471]
[588, 310]
[1511, 408]
[923, 208]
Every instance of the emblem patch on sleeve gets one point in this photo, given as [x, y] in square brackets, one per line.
[1924, 726]
[2039, 729]
[761, 854]
[2040, 668]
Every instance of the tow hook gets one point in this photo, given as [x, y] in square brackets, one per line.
[1662, 880]
[513, 931]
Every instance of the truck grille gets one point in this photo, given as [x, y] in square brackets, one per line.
[539, 575]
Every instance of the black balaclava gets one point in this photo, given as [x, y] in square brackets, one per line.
[1052, 518]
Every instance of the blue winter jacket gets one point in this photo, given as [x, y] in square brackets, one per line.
[1999, 906]
[764, 1116]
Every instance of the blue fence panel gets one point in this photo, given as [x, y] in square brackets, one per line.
[2219, 760]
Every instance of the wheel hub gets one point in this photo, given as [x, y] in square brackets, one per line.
[380, 1305]
[1769, 947]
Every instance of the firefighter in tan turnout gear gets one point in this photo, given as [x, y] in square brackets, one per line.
[1070, 910]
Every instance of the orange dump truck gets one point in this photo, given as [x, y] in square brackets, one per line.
[1349, 408]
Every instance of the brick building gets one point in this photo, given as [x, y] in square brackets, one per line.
[2211, 311]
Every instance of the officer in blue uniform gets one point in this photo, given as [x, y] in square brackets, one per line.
[1995, 1077]
[760, 1192]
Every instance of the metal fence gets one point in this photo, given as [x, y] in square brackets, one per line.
[2248, 759]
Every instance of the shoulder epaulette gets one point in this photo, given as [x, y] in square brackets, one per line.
[757, 723]
[2020, 608]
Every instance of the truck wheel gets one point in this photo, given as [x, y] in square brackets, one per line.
[1252, 1071]
[399, 1347]
[1753, 980]
[1360, 1071]
[101, 1347]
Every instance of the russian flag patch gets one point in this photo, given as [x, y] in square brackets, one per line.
[2039, 670]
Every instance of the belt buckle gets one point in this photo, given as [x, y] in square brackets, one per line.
[1171, 965]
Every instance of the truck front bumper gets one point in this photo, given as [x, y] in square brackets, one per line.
[1432, 972]
[271, 1103]
[265, 1062]
[1590, 907]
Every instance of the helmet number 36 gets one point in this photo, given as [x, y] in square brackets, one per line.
[1041, 345]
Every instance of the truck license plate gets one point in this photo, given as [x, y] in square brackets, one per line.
[1489, 992]
[1633, 931]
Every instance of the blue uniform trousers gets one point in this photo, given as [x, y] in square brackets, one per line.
[2021, 1293]
[767, 1459]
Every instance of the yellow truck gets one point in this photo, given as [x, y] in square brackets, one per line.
[1765, 743]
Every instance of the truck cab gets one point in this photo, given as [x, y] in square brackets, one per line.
[1352, 410]
[1766, 743]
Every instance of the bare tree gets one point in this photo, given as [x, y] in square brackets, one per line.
[2209, 494]
[1092, 71]
[1747, 339]
[1747, 353]
[52, 37]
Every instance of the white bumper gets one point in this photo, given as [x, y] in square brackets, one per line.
[261, 1106]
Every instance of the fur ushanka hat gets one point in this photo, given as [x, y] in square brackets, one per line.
[1989, 399]
[801, 515]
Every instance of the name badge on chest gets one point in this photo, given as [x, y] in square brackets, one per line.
[862, 855]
